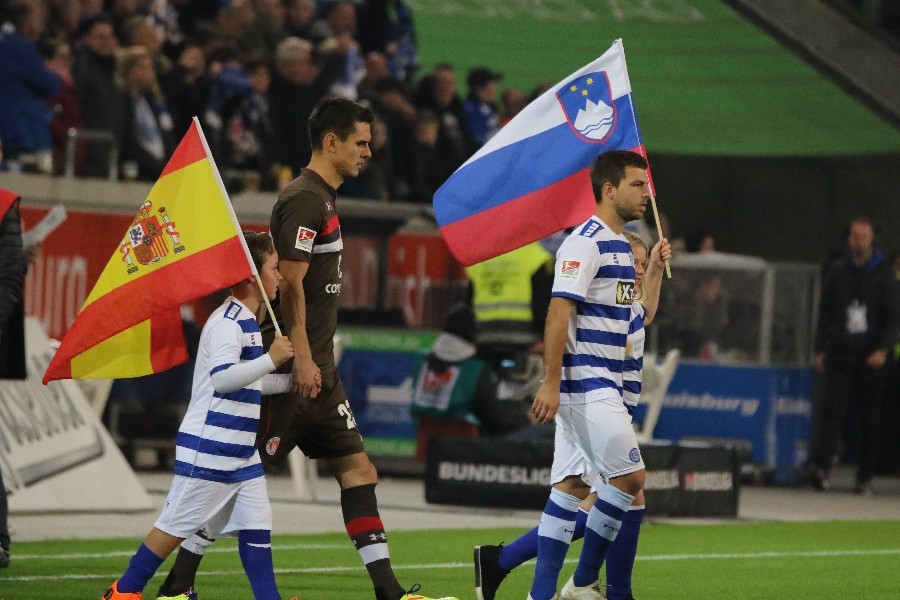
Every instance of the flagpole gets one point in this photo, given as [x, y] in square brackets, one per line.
[659, 231]
[237, 225]
[649, 181]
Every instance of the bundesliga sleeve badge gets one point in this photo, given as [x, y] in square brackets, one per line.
[570, 269]
[305, 238]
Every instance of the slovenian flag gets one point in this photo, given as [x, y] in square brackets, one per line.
[532, 179]
[183, 243]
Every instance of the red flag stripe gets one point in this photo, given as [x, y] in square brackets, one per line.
[127, 305]
[167, 345]
[189, 151]
[566, 202]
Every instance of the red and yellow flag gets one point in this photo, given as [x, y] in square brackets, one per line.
[184, 243]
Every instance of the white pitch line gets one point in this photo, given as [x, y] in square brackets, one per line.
[131, 552]
[468, 565]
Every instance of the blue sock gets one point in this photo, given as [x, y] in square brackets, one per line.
[255, 548]
[524, 548]
[141, 568]
[620, 558]
[553, 538]
[603, 524]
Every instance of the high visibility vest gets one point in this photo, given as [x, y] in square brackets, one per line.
[502, 285]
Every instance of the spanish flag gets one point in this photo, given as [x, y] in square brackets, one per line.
[184, 243]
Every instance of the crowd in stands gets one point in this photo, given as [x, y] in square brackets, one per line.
[107, 88]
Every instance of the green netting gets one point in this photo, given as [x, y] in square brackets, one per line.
[705, 80]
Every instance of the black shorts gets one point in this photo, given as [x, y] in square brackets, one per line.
[322, 427]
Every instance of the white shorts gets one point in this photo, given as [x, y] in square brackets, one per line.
[595, 437]
[221, 508]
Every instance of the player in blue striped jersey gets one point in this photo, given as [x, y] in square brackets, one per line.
[494, 562]
[219, 483]
[584, 355]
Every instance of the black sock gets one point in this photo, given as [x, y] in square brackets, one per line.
[181, 576]
[360, 508]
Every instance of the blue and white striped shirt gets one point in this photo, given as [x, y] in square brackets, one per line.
[595, 267]
[217, 438]
[634, 357]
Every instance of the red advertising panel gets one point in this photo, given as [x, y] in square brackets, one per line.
[424, 280]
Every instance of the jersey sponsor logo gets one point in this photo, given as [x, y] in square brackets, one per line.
[570, 269]
[332, 288]
[272, 445]
[624, 292]
[305, 238]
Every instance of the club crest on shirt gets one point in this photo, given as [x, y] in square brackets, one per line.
[624, 292]
[305, 238]
[570, 269]
[634, 455]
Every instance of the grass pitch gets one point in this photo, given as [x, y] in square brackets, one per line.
[733, 561]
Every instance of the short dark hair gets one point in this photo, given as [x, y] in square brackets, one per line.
[338, 116]
[610, 166]
[260, 245]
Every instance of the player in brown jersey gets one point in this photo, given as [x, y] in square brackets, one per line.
[316, 415]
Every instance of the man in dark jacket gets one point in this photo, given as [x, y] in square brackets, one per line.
[101, 107]
[858, 321]
[13, 266]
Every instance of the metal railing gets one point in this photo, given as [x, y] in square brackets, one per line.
[92, 135]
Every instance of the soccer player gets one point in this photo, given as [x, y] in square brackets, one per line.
[219, 480]
[584, 354]
[493, 563]
[316, 415]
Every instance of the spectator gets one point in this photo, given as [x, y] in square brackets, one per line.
[425, 173]
[334, 35]
[64, 19]
[186, 88]
[119, 12]
[386, 26]
[297, 84]
[376, 72]
[393, 107]
[513, 100]
[140, 31]
[147, 140]
[248, 129]
[481, 105]
[437, 92]
[65, 107]
[265, 31]
[27, 86]
[98, 97]
[298, 18]
[859, 317]
[455, 392]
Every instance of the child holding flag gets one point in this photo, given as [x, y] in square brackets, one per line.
[219, 481]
